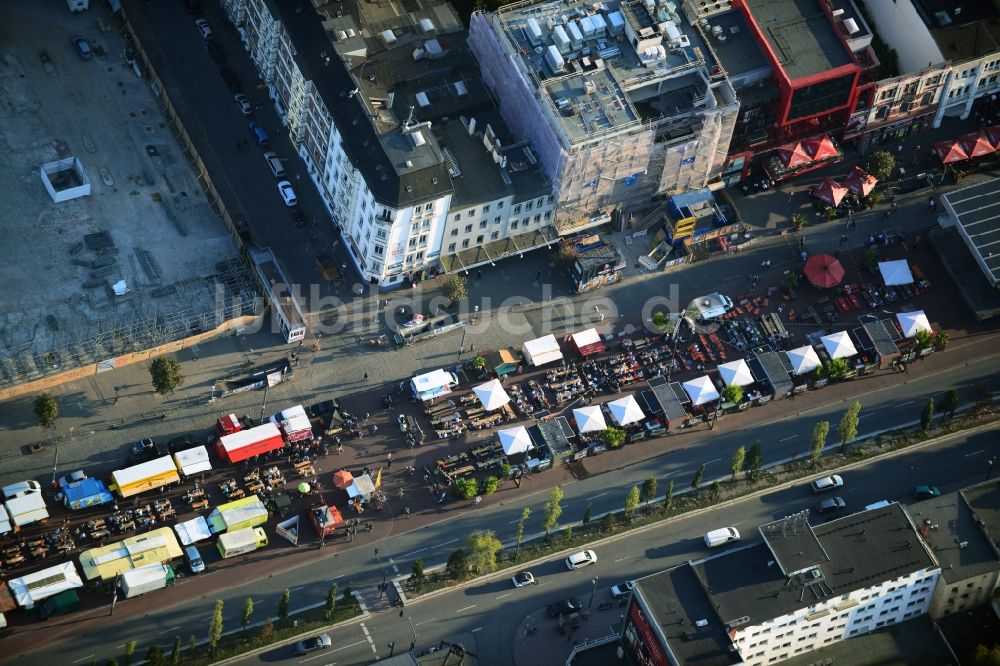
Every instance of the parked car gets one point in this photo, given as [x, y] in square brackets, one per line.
[581, 559]
[82, 47]
[320, 642]
[299, 218]
[215, 51]
[287, 193]
[203, 28]
[564, 607]
[145, 449]
[926, 492]
[722, 536]
[622, 589]
[274, 164]
[232, 81]
[258, 132]
[522, 578]
[827, 483]
[831, 504]
[242, 101]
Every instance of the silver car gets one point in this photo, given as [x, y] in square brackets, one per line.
[320, 642]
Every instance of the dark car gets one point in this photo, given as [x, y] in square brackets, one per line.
[145, 449]
[193, 6]
[232, 81]
[320, 642]
[82, 47]
[926, 492]
[299, 218]
[564, 607]
[325, 407]
[215, 51]
[180, 443]
[831, 504]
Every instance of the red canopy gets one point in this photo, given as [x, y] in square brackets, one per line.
[976, 144]
[993, 133]
[794, 156]
[821, 148]
[824, 271]
[830, 191]
[859, 182]
[950, 151]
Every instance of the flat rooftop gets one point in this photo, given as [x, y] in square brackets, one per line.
[984, 501]
[800, 35]
[971, 34]
[981, 298]
[793, 543]
[889, 646]
[950, 530]
[978, 211]
[739, 52]
[970, 628]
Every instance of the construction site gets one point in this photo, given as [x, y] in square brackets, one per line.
[622, 101]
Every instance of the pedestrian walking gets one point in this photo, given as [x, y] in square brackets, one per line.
[340, 448]
[365, 378]
[899, 148]
[388, 460]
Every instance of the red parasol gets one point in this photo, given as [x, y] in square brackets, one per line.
[950, 151]
[824, 271]
[343, 479]
[976, 144]
[993, 134]
[794, 156]
[859, 182]
[829, 191]
[821, 148]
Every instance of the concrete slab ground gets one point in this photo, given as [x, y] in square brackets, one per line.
[144, 194]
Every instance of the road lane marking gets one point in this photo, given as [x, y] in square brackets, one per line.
[315, 656]
[620, 559]
[344, 647]
[596, 496]
[424, 622]
[712, 461]
[505, 595]
[371, 641]
[785, 439]
[413, 552]
[477, 629]
[166, 630]
[975, 453]
[296, 589]
[904, 404]
[89, 656]
[447, 542]
[676, 471]
[466, 608]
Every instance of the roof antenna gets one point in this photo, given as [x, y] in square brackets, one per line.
[410, 120]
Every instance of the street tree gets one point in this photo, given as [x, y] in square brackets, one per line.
[696, 481]
[949, 403]
[455, 288]
[838, 368]
[458, 565]
[736, 462]
[283, 603]
[214, 628]
[482, 547]
[614, 437]
[154, 656]
[607, 522]
[927, 415]
[489, 485]
[247, 613]
[755, 461]
[46, 409]
[331, 594]
[266, 633]
[417, 572]
[175, 654]
[716, 490]
[668, 497]
[648, 490]
[552, 510]
[129, 652]
[631, 503]
[818, 442]
[465, 488]
[166, 374]
[847, 429]
[525, 512]
[732, 393]
[881, 163]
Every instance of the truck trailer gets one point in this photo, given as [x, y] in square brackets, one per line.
[241, 541]
[27, 509]
[294, 423]
[147, 579]
[249, 443]
[158, 473]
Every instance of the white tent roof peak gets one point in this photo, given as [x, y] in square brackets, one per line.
[589, 419]
[895, 272]
[736, 372]
[803, 359]
[492, 395]
[839, 345]
[626, 410]
[701, 390]
[913, 322]
[515, 440]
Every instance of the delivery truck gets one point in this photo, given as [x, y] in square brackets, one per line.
[78, 491]
[242, 541]
[27, 507]
[152, 475]
[294, 423]
[146, 579]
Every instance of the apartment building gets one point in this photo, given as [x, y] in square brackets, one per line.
[620, 100]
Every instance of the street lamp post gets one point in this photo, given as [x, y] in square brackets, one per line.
[413, 630]
[593, 589]
[989, 470]
[263, 404]
[383, 586]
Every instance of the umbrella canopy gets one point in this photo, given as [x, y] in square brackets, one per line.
[830, 191]
[626, 410]
[794, 156]
[859, 182]
[736, 372]
[304, 488]
[492, 395]
[701, 390]
[993, 134]
[913, 322]
[824, 271]
[950, 151]
[895, 272]
[515, 440]
[342, 479]
[821, 148]
[803, 359]
[839, 345]
[976, 144]
[589, 419]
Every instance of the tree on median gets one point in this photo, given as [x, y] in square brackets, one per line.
[847, 429]
[755, 462]
[552, 510]
[247, 613]
[949, 403]
[818, 442]
[525, 512]
[482, 547]
[927, 415]
[215, 628]
[648, 490]
[283, 603]
[736, 462]
[631, 503]
[696, 480]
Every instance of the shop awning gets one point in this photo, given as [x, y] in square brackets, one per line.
[824, 270]
[839, 345]
[588, 342]
[589, 419]
[950, 151]
[821, 148]
[794, 156]
[736, 372]
[859, 182]
[913, 322]
[976, 144]
[515, 440]
[829, 191]
[542, 350]
[701, 390]
[895, 272]
[492, 395]
[803, 360]
[626, 410]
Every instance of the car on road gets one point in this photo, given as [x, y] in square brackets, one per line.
[82, 47]
[827, 483]
[242, 101]
[299, 218]
[203, 28]
[215, 51]
[926, 492]
[564, 607]
[722, 536]
[145, 449]
[232, 81]
[831, 504]
[522, 578]
[320, 642]
[287, 193]
[274, 164]
[180, 443]
[258, 132]
[581, 559]
[622, 589]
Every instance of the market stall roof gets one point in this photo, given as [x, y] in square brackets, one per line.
[626, 410]
[554, 434]
[803, 359]
[588, 342]
[976, 144]
[193, 461]
[515, 440]
[40, 585]
[671, 398]
[829, 191]
[794, 156]
[542, 350]
[342, 479]
[883, 336]
[839, 345]
[895, 272]
[701, 390]
[244, 510]
[106, 562]
[913, 322]
[824, 270]
[736, 372]
[821, 148]
[429, 381]
[362, 485]
[589, 419]
[492, 395]
[773, 368]
[950, 151]
[859, 182]
[192, 531]
[501, 361]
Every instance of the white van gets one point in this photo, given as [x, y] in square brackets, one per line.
[721, 536]
[193, 558]
[21, 488]
[274, 164]
[581, 559]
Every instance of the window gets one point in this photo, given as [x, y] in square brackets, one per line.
[486, 209]
[451, 247]
[472, 212]
[495, 235]
[517, 209]
[496, 220]
[882, 112]
[420, 255]
[379, 250]
[468, 228]
[529, 205]
[380, 234]
[538, 218]
[412, 243]
[499, 205]
[458, 216]
[479, 239]
[548, 215]
[482, 224]
[422, 239]
[513, 225]
[454, 232]
[426, 225]
[465, 243]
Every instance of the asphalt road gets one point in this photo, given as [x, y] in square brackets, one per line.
[785, 437]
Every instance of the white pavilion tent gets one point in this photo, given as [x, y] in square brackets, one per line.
[736, 372]
[895, 272]
[701, 390]
[803, 359]
[913, 322]
[492, 395]
[626, 410]
[515, 440]
[589, 419]
[839, 345]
